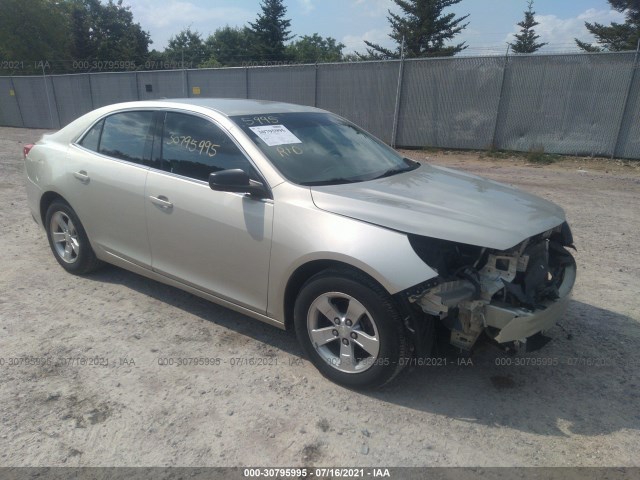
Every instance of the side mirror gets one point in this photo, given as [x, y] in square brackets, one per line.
[236, 180]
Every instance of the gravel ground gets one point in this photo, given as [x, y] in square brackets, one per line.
[56, 410]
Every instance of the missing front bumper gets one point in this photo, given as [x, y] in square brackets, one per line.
[506, 298]
[517, 324]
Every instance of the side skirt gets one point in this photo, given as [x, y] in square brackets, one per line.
[145, 272]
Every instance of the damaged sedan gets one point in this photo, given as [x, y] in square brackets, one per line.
[297, 217]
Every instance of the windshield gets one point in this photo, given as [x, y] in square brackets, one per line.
[321, 148]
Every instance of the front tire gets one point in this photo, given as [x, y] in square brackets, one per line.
[68, 240]
[350, 329]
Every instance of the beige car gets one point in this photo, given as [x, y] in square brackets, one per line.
[296, 217]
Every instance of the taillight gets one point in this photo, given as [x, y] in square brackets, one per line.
[26, 149]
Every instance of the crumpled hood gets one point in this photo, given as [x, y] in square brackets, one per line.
[446, 204]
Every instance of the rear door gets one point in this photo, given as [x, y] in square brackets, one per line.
[109, 167]
[218, 242]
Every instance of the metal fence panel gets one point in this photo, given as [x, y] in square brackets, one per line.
[293, 84]
[218, 83]
[108, 88]
[9, 110]
[365, 93]
[73, 96]
[450, 102]
[37, 102]
[629, 138]
[567, 104]
[154, 85]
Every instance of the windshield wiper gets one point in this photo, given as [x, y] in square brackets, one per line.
[330, 181]
[395, 171]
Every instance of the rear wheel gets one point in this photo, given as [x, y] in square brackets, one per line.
[68, 240]
[350, 329]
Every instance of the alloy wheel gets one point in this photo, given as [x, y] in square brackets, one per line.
[65, 237]
[343, 332]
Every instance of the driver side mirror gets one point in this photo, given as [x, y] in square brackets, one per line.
[237, 180]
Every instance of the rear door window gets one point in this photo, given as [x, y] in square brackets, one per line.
[195, 147]
[128, 136]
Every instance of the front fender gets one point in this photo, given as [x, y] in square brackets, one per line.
[302, 233]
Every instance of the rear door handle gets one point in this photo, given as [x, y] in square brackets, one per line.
[82, 176]
[161, 201]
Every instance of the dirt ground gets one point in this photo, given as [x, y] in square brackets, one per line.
[57, 408]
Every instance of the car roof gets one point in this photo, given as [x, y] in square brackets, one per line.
[227, 107]
[242, 106]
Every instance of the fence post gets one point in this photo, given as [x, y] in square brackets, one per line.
[625, 109]
[15, 93]
[55, 101]
[396, 113]
[315, 87]
[91, 89]
[184, 78]
[246, 81]
[46, 92]
[504, 76]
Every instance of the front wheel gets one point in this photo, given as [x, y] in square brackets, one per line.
[350, 329]
[68, 240]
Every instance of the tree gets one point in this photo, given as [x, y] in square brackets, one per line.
[32, 31]
[187, 46]
[64, 33]
[271, 31]
[616, 37]
[526, 39]
[230, 46]
[425, 29]
[106, 32]
[314, 48]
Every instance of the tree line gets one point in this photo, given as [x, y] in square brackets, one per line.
[62, 36]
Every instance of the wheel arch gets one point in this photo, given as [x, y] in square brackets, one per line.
[46, 200]
[307, 270]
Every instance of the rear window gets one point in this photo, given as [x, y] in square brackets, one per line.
[91, 139]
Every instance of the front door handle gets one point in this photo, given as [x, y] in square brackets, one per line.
[82, 176]
[161, 201]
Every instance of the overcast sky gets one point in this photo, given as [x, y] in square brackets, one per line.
[491, 22]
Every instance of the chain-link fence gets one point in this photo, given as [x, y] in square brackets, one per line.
[581, 104]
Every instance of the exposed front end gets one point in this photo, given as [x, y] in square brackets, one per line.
[510, 295]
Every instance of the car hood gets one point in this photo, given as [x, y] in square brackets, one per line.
[446, 204]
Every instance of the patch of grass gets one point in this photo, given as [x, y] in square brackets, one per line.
[431, 149]
[492, 152]
[502, 154]
[323, 424]
[311, 452]
[538, 157]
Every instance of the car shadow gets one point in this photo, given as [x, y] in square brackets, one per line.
[584, 382]
[200, 307]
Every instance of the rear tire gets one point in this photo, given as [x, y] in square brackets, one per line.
[68, 240]
[350, 329]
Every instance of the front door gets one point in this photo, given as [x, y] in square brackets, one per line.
[218, 242]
